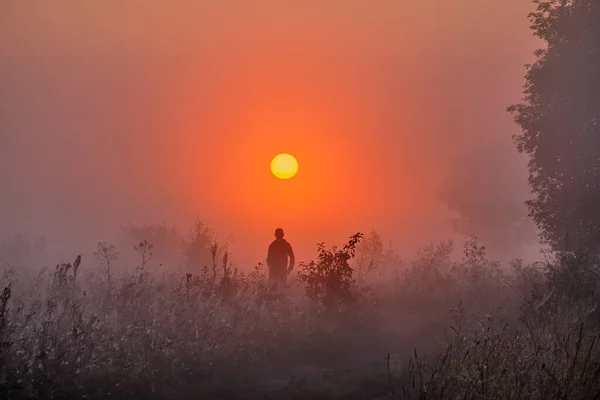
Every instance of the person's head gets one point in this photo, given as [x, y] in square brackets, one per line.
[279, 233]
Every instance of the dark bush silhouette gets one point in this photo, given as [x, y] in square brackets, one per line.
[330, 279]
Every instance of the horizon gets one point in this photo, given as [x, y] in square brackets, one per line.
[158, 114]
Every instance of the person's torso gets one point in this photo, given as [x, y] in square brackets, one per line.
[278, 252]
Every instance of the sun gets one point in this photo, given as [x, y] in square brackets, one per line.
[284, 166]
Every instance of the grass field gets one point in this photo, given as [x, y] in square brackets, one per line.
[427, 329]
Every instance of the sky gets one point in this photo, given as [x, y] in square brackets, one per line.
[161, 112]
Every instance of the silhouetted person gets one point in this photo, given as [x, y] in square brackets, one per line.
[277, 261]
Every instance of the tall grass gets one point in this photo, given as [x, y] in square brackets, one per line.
[90, 329]
[548, 349]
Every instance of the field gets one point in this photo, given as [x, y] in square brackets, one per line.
[352, 326]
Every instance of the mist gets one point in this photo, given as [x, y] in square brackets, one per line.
[150, 113]
[141, 254]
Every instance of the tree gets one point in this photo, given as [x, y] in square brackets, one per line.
[369, 255]
[372, 258]
[22, 251]
[168, 243]
[560, 121]
[201, 248]
[488, 201]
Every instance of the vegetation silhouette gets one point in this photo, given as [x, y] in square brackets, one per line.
[528, 332]
[357, 322]
[560, 120]
[330, 279]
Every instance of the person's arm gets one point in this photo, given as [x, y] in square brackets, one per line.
[292, 258]
[269, 255]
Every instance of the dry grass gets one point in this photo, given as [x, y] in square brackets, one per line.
[97, 331]
[549, 349]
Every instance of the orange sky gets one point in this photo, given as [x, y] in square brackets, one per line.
[149, 111]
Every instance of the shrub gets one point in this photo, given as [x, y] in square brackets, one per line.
[330, 280]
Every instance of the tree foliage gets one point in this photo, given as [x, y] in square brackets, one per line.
[486, 201]
[201, 248]
[369, 255]
[167, 242]
[560, 121]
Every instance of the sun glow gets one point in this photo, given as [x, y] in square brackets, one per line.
[284, 166]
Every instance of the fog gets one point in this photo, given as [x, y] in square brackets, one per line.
[137, 202]
[153, 112]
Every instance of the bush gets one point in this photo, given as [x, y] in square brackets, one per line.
[330, 280]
